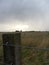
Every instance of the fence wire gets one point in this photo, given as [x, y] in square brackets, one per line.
[28, 46]
[35, 56]
[32, 55]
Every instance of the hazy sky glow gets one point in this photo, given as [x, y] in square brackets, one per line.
[24, 15]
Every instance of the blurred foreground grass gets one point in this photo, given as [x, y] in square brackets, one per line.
[31, 56]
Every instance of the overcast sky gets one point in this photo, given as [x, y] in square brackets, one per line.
[24, 15]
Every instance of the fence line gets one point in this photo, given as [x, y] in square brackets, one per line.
[24, 46]
[12, 49]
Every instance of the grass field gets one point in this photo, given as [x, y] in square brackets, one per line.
[31, 56]
[39, 39]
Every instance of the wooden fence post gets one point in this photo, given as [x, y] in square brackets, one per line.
[11, 49]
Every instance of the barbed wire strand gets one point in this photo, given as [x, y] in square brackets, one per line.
[25, 46]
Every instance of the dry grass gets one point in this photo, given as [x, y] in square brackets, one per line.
[38, 39]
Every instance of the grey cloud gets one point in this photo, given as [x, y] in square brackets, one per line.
[24, 10]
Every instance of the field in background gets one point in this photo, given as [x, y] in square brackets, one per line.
[35, 39]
